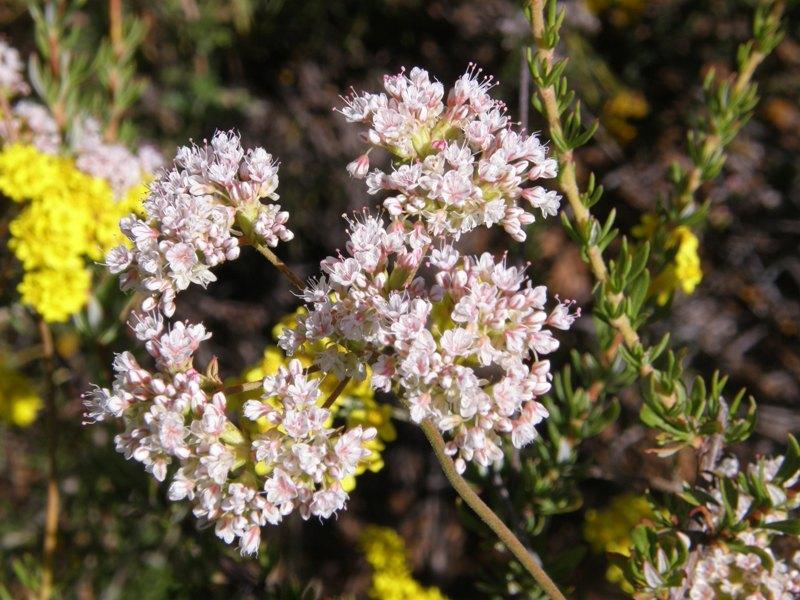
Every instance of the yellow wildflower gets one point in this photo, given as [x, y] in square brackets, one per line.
[621, 12]
[624, 106]
[25, 172]
[683, 271]
[19, 402]
[609, 529]
[687, 259]
[385, 552]
[646, 227]
[56, 294]
[69, 221]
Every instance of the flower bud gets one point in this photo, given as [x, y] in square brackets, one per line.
[359, 167]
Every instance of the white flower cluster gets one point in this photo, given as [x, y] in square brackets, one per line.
[720, 571]
[170, 416]
[113, 162]
[32, 123]
[463, 351]
[462, 348]
[190, 215]
[723, 573]
[12, 81]
[461, 163]
[310, 459]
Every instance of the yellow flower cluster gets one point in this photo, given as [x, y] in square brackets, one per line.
[385, 551]
[355, 404]
[684, 270]
[68, 220]
[626, 105]
[621, 12]
[19, 402]
[609, 529]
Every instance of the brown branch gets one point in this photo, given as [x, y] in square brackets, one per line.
[52, 507]
[281, 266]
[336, 393]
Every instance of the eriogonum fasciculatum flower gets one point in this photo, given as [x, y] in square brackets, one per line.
[12, 81]
[281, 455]
[190, 216]
[458, 160]
[462, 347]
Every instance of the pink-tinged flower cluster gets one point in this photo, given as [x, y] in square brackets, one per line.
[12, 81]
[460, 161]
[724, 573]
[32, 123]
[190, 216]
[464, 350]
[741, 568]
[308, 459]
[171, 417]
[113, 162]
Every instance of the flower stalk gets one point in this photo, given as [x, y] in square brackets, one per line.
[276, 262]
[487, 515]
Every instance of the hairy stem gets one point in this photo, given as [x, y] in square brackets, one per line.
[281, 266]
[567, 178]
[52, 507]
[463, 488]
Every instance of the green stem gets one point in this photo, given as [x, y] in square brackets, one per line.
[487, 515]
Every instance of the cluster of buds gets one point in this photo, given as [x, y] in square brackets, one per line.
[239, 478]
[113, 162]
[12, 81]
[463, 350]
[723, 573]
[190, 216]
[25, 121]
[460, 162]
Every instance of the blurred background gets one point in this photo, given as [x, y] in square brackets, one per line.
[274, 69]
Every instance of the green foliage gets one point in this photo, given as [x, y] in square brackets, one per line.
[686, 417]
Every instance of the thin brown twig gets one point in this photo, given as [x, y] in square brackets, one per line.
[568, 179]
[52, 507]
[713, 142]
[336, 392]
[281, 266]
[241, 388]
[117, 50]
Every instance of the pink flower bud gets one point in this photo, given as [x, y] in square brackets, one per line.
[359, 167]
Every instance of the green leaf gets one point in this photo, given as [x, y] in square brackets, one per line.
[791, 462]
[789, 526]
